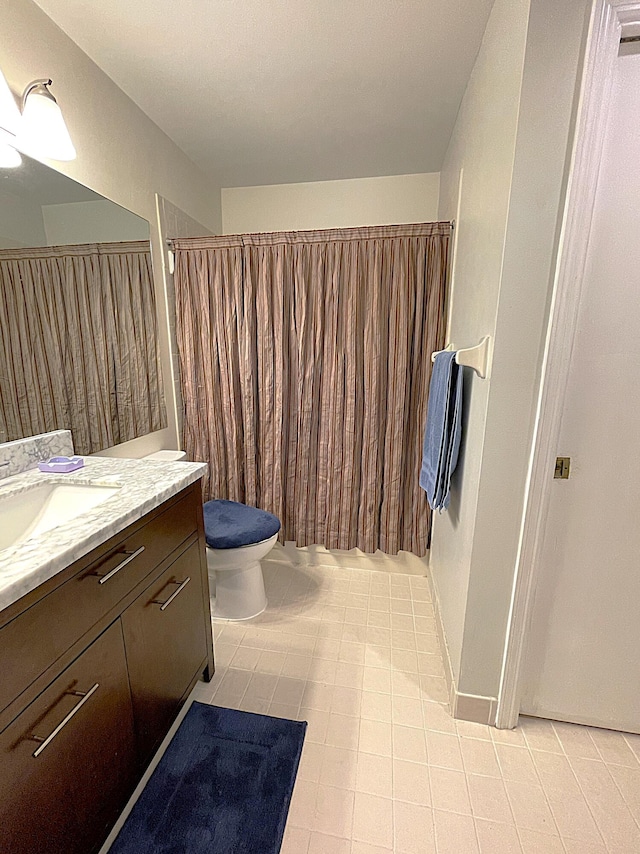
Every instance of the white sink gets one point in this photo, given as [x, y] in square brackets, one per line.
[44, 506]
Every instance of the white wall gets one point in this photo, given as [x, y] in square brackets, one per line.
[91, 222]
[483, 148]
[21, 222]
[331, 204]
[511, 139]
[122, 154]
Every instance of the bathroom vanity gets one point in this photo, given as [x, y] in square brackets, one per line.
[104, 630]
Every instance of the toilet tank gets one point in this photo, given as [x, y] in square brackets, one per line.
[167, 456]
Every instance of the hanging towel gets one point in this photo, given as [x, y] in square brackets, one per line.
[443, 430]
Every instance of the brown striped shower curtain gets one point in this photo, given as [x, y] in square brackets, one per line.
[79, 343]
[305, 366]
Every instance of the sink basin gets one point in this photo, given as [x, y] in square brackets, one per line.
[45, 506]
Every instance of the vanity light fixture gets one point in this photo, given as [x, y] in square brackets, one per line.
[9, 157]
[9, 112]
[42, 130]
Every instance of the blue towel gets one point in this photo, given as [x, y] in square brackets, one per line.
[442, 431]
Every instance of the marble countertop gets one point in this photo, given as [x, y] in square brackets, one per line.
[143, 485]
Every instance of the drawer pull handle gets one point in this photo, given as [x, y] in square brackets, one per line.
[122, 564]
[45, 742]
[175, 593]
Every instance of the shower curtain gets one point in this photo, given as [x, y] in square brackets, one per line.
[78, 343]
[305, 366]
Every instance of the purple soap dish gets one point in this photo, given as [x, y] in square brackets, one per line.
[61, 464]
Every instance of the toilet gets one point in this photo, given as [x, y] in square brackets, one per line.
[238, 537]
[167, 456]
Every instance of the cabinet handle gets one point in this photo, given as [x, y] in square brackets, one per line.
[121, 565]
[175, 593]
[45, 742]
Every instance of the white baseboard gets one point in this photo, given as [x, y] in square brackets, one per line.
[464, 707]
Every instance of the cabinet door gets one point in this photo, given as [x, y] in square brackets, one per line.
[166, 642]
[67, 761]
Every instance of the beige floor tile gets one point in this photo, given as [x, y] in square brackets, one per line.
[576, 740]
[413, 829]
[376, 707]
[297, 666]
[578, 846]
[516, 763]
[514, 737]
[541, 843]
[628, 782]
[614, 748]
[495, 838]
[433, 688]
[540, 734]
[334, 811]
[320, 843]
[411, 782]
[303, 805]
[455, 833]
[479, 757]
[470, 729]
[443, 750]
[373, 819]
[286, 711]
[428, 644]
[343, 731]
[317, 724]
[405, 685]
[346, 701]
[296, 841]
[438, 718]
[376, 679]
[530, 808]
[365, 848]
[310, 762]
[409, 743]
[555, 773]
[573, 817]
[449, 790]
[375, 737]
[489, 799]
[406, 711]
[374, 775]
[338, 767]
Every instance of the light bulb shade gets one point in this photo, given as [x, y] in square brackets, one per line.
[43, 132]
[9, 157]
[9, 112]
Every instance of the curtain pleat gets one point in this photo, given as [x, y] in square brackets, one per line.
[305, 360]
[79, 343]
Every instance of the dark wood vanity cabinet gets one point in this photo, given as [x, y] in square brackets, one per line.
[119, 640]
[164, 641]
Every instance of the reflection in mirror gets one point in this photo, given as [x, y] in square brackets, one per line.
[78, 323]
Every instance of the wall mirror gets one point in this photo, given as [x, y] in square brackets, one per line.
[78, 322]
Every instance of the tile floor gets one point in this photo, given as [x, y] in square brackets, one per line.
[348, 643]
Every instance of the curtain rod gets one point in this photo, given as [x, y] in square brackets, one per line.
[170, 240]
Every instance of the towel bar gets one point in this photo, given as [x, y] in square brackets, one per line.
[472, 357]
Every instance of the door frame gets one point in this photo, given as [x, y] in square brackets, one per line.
[607, 21]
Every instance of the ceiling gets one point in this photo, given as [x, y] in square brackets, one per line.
[278, 91]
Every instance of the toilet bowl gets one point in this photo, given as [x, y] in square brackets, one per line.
[238, 537]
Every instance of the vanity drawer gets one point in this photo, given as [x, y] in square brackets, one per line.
[36, 638]
[166, 642]
[60, 793]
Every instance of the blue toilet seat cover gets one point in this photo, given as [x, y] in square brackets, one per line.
[229, 524]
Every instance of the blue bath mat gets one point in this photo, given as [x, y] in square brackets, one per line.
[223, 786]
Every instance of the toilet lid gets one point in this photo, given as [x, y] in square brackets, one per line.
[229, 524]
